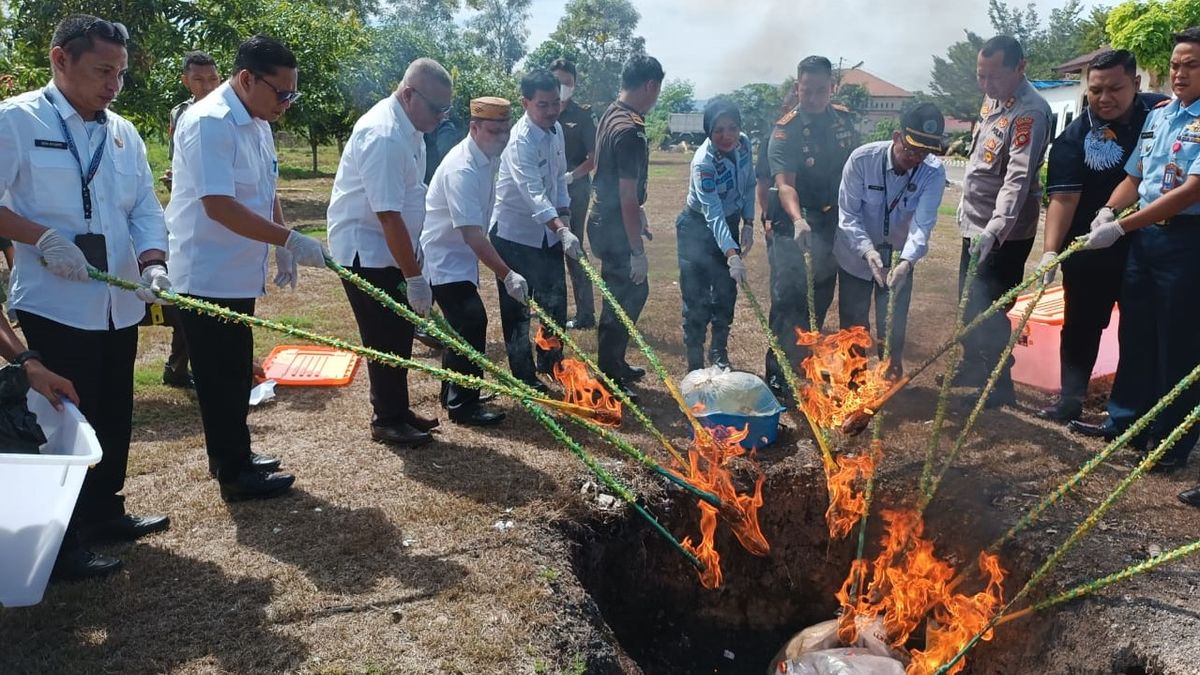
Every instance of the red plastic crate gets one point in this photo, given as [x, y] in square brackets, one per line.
[310, 365]
[1036, 353]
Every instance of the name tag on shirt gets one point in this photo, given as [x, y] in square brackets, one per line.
[875, 187]
[1147, 134]
[44, 143]
[542, 163]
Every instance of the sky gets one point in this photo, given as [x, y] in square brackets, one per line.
[721, 45]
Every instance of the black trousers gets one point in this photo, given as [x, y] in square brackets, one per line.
[708, 292]
[381, 328]
[463, 308]
[854, 309]
[611, 245]
[1091, 286]
[177, 360]
[789, 284]
[100, 365]
[999, 272]
[543, 269]
[580, 192]
[1160, 330]
[223, 370]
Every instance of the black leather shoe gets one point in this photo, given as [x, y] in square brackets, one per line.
[624, 387]
[581, 323]
[427, 340]
[257, 461]
[1063, 410]
[633, 373]
[1106, 431]
[402, 434]
[536, 384]
[425, 424]
[485, 396]
[477, 416]
[255, 484]
[81, 564]
[1002, 395]
[178, 379]
[126, 528]
[1191, 497]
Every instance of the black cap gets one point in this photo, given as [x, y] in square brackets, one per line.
[923, 126]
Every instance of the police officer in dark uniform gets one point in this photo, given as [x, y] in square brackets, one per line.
[1086, 163]
[579, 134]
[1160, 327]
[617, 221]
[808, 149]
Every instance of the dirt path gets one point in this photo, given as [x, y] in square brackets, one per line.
[388, 561]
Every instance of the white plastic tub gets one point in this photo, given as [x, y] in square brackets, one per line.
[37, 495]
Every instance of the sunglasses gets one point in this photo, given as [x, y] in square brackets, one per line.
[108, 30]
[434, 108]
[280, 95]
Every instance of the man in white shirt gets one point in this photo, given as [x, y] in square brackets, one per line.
[375, 218]
[888, 201]
[532, 215]
[458, 208]
[223, 217]
[78, 192]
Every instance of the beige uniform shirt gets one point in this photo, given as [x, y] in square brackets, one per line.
[1002, 189]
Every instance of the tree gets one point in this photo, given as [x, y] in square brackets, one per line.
[953, 85]
[1145, 29]
[677, 96]
[1065, 36]
[551, 49]
[883, 130]
[498, 31]
[601, 32]
[853, 96]
[760, 104]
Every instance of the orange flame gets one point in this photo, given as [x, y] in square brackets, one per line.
[580, 388]
[841, 380]
[708, 458]
[847, 506]
[909, 584]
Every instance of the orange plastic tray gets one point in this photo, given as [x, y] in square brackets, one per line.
[310, 366]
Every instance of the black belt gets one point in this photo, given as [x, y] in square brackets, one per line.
[1189, 220]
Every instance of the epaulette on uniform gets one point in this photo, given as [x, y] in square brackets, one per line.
[1163, 103]
[791, 115]
[839, 107]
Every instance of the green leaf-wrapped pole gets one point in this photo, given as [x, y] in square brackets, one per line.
[558, 332]
[655, 363]
[1081, 530]
[810, 290]
[943, 400]
[217, 311]
[1100, 584]
[931, 487]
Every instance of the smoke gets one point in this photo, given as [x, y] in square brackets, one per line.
[724, 44]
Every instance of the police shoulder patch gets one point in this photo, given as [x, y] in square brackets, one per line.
[780, 134]
[1022, 131]
[786, 119]
[708, 183]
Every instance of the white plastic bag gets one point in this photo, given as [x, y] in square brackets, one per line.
[816, 650]
[716, 390]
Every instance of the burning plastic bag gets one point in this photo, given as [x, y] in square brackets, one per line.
[816, 650]
[733, 399]
[19, 430]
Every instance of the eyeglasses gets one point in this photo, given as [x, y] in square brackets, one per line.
[434, 108]
[280, 95]
[108, 30]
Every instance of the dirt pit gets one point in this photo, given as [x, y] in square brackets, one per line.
[665, 623]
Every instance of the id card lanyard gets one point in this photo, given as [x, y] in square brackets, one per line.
[888, 207]
[85, 175]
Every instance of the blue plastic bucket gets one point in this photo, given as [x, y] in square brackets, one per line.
[764, 429]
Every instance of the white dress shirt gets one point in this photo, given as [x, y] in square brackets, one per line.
[41, 181]
[869, 187]
[382, 169]
[220, 150]
[461, 194]
[533, 185]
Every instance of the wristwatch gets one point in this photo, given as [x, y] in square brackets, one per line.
[27, 355]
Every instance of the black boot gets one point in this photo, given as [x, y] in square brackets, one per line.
[719, 357]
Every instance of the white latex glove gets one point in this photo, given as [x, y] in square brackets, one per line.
[1104, 235]
[875, 262]
[517, 287]
[984, 245]
[286, 272]
[803, 234]
[639, 267]
[737, 268]
[62, 256]
[155, 279]
[899, 275]
[746, 240]
[1048, 276]
[419, 294]
[1104, 215]
[307, 251]
[570, 178]
[572, 247]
